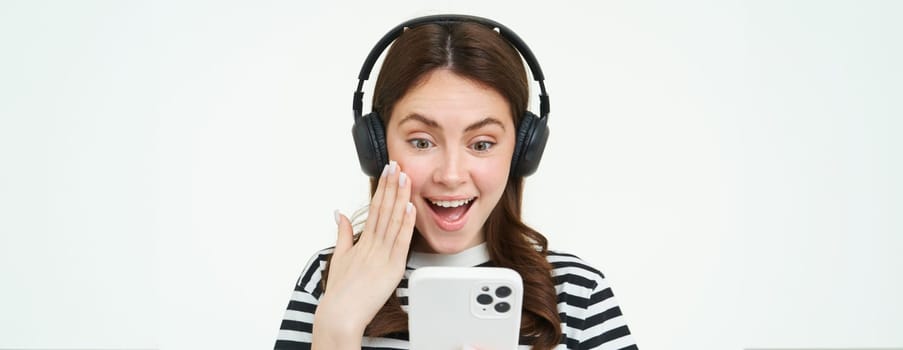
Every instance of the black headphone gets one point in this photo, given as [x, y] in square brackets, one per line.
[532, 131]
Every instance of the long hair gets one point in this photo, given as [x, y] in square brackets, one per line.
[478, 53]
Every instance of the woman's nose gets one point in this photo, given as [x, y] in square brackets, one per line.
[451, 169]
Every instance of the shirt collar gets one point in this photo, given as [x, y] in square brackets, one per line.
[469, 257]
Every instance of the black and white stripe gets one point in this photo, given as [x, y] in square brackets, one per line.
[590, 315]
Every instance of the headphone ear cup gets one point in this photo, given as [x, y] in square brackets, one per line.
[532, 134]
[523, 127]
[370, 142]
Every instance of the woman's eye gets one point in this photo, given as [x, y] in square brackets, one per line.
[482, 146]
[421, 143]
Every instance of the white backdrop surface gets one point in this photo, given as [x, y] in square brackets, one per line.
[733, 167]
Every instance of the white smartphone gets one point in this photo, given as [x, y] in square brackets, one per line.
[453, 307]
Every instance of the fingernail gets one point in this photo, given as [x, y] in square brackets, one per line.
[402, 178]
[392, 167]
[385, 168]
[338, 218]
[408, 208]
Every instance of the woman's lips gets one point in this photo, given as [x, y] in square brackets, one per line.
[450, 219]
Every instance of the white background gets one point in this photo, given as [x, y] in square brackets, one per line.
[733, 167]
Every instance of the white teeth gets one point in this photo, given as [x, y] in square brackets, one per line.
[451, 204]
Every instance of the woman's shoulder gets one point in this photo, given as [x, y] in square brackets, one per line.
[321, 255]
[572, 269]
[593, 317]
[309, 280]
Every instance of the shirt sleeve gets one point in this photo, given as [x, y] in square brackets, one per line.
[604, 326]
[297, 324]
[591, 316]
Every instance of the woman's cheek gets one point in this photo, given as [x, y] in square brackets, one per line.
[416, 171]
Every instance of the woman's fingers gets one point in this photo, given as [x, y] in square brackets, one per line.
[363, 275]
[373, 210]
[403, 240]
[387, 201]
[390, 216]
[399, 206]
[345, 238]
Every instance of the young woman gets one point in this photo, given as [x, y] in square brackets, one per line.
[451, 97]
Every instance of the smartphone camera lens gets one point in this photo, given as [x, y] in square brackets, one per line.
[502, 292]
[485, 299]
[502, 307]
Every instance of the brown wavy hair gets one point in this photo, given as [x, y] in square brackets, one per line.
[476, 52]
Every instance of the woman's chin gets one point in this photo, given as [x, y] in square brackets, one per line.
[444, 245]
[448, 248]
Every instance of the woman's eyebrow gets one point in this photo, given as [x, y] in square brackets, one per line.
[486, 121]
[417, 117]
[435, 125]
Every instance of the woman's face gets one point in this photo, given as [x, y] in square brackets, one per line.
[454, 138]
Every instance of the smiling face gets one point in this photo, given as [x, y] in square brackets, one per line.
[454, 138]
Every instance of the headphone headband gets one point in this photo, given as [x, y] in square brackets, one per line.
[506, 33]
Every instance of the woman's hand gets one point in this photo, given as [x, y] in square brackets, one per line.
[364, 275]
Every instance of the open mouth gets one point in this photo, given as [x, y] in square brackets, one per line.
[450, 215]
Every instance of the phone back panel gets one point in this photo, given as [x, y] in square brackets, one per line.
[450, 307]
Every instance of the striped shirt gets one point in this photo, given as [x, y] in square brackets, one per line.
[590, 315]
